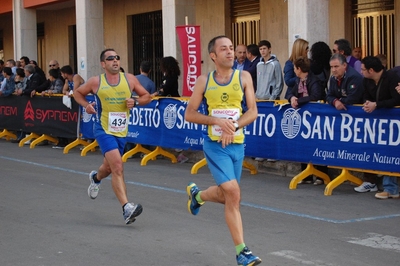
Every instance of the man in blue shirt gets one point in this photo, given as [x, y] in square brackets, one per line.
[145, 81]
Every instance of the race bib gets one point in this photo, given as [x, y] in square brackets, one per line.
[117, 121]
[233, 114]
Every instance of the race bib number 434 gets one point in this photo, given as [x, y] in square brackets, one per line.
[117, 121]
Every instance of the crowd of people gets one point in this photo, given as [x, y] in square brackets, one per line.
[339, 76]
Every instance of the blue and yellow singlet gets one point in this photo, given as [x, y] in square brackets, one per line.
[224, 101]
[112, 112]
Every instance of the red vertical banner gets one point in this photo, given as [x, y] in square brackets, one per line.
[189, 38]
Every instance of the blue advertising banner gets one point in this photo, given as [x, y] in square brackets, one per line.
[316, 133]
[320, 134]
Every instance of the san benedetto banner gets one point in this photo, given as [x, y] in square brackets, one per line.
[189, 38]
[316, 133]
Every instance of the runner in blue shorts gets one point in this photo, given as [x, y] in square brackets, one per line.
[112, 93]
[224, 92]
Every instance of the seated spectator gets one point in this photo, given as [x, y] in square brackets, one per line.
[38, 70]
[56, 84]
[307, 87]
[34, 81]
[379, 92]
[72, 81]
[8, 84]
[345, 85]
[20, 81]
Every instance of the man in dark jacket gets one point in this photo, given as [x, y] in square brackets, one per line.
[33, 80]
[379, 92]
[345, 85]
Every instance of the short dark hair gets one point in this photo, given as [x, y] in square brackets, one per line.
[145, 66]
[372, 62]
[7, 70]
[25, 59]
[253, 49]
[344, 45]
[264, 43]
[302, 63]
[67, 70]
[211, 43]
[102, 54]
[53, 73]
[20, 72]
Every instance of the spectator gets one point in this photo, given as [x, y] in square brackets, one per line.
[72, 81]
[357, 53]
[383, 60]
[345, 85]
[299, 49]
[307, 88]
[56, 83]
[241, 62]
[1, 70]
[11, 63]
[8, 84]
[320, 55]
[379, 92]
[33, 82]
[53, 64]
[342, 46]
[170, 69]
[145, 81]
[24, 61]
[253, 54]
[269, 74]
[20, 81]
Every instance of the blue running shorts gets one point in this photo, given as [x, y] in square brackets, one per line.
[226, 163]
[109, 142]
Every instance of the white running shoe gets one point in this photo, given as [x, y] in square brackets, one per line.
[366, 187]
[94, 188]
[131, 211]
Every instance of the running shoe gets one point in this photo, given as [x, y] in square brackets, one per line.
[94, 188]
[193, 205]
[366, 187]
[131, 211]
[246, 258]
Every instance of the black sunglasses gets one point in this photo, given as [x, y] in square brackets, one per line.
[52, 65]
[112, 57]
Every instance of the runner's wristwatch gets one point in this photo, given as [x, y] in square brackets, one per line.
[236, 126]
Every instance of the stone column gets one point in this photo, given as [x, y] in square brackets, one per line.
[90, 36]
[176, 13]
[309, 20]
[25, 33]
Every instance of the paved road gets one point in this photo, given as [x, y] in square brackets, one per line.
[46, 217]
